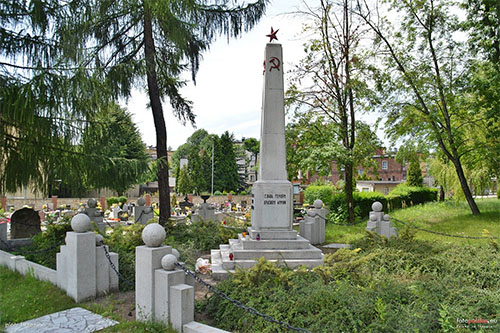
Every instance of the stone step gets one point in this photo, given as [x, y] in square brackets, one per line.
[227, 263]
[218, 272]
[272, 234]
[290, 263]
[250, 244]
[310, 253]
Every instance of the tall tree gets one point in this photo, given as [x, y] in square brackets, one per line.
[424, 78]
[151, 42]
[226, 170]
[253, 146]
[115, 136]
[328, 83]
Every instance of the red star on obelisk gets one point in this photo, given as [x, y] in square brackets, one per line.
[272, 35]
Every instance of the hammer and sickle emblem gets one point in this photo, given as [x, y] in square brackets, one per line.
[275, 63]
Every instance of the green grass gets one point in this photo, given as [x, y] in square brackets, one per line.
[448, 217]
[24, 297]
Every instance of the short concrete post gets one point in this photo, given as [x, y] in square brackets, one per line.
[148, 200]
[4, 203]
[54, 202]
[147, 260]
[182, 305]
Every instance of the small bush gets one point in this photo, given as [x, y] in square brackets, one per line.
[498, 192]
[217, 193]
[243, 193]
[323, 192]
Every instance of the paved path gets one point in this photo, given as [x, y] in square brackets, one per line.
[71, 320]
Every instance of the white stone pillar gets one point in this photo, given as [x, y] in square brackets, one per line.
[81, 265]
[147, 260]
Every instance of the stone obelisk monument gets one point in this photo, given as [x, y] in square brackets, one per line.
[271, 234]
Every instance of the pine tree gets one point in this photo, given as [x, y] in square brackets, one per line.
[79, 54]
[414, 173]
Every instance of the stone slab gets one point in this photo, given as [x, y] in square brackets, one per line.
[337, 246]
[71, 320]
[309, 263]
[266, 234]
[310, 253]
[182, 305]
[195, 327]
[249, 244]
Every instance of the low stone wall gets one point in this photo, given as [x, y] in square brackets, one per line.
[23, 266]
[37, 203]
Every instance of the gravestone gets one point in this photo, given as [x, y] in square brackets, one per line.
[24, 223]
[115, 212]
[380, 222]
[312, 227]
[271, 235]
[95, 214]
[204, 211]
[142, 213]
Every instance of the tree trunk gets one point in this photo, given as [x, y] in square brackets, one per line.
[465, 187]
[159, 120]
[348, 192]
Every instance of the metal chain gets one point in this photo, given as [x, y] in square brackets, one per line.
[238, 303]
[113, 267]
[442, 233]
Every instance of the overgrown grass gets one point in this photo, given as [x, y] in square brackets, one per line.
[24, 297]
[398, 285]
[448, 217]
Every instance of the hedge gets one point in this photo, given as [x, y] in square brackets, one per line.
[401, 196]
[323, 192]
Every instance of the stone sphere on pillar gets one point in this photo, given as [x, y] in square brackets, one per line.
[99, 240]
[153, 235]
[377, 206]
[168, 262]
[318, 204]
[176, 253]
[141, 201]
[387, 217]
[92, 203]
[80, 223]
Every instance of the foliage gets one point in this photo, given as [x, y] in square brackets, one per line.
[423, 87]
[395, 285]
[329, 88]
[183, 183]
[323, 192]
[217, 193]
[414, 174]
[25, 297]
[498, 193]
[225, 169]
[51, 239]
[116, 200]
[404, 195]
[115, 136]
[123, 240]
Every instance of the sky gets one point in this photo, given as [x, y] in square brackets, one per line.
[228, 91]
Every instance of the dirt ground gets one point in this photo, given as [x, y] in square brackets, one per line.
[122, 303]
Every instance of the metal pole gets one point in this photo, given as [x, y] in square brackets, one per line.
[212, 167]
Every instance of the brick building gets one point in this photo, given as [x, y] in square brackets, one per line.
[387, 169]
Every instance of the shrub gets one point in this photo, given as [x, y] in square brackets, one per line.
[404, 195]
[243, 193]
[364, 201]
[323, 192]
[498, 192]
[116, 200]
[217, 193]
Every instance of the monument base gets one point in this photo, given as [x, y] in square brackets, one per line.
[245, 252]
